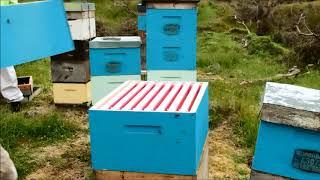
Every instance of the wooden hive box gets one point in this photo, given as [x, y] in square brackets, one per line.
[79, 10]
[113, 60]
[81, 19]
[72, 93]
[72, 67]
[25, 84]
[288, 143]
[111, 56]
[150, 127]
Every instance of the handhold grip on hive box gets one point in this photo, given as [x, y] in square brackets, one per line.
[171, 56]
[68, 68]
[113, 67]
[306, 160]
[143, 129]
[171, 29]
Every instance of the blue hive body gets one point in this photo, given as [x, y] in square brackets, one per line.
[171, 39]
[31, 31]
[145, 140]
[289, 127]
[113, 60]
[276, 145]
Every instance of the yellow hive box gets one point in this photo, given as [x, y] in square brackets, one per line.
[72, 93]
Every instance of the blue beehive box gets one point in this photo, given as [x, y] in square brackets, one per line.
[115, 56]
[150, 127]
[171, 36]
[288, 143]
[31, 31]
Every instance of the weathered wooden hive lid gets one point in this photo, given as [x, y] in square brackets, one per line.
[79, 6]
[291, 105]
[149, 96]
[115, 42]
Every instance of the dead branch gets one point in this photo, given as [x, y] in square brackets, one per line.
[302, 20]
[242, 23]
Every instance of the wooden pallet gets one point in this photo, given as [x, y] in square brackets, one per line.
[256, 175]
[203, 172]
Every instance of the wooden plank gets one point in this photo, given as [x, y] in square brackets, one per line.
[256, 175]
[202, 174]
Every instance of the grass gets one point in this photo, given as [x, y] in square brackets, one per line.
[222, 54]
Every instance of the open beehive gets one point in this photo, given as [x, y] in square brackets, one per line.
[150, 127]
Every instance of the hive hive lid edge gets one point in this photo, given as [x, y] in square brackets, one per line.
[115, 42]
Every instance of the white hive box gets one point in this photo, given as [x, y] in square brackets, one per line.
[83, 29]
[78, 10]
[81, 19]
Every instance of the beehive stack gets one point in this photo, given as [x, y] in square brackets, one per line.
[148, 129]
[113, 60]
[171, 30]
[71, 71]
[288, 144]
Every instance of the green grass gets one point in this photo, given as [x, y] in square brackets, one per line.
[18, 131]
[221, 53]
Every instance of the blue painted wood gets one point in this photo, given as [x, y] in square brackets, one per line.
[275, 149]
[171, 39]
[115, 61]
[141, 22]
[149, 142]
[31, 31]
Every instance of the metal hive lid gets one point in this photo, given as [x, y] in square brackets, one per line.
[291, 105]
[115, 42]
[149, 96]
[292, 96]
[79, 6]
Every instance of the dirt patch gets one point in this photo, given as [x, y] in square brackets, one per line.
[226, 160]
[66, 160]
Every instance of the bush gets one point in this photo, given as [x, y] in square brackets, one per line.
[263, 45]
